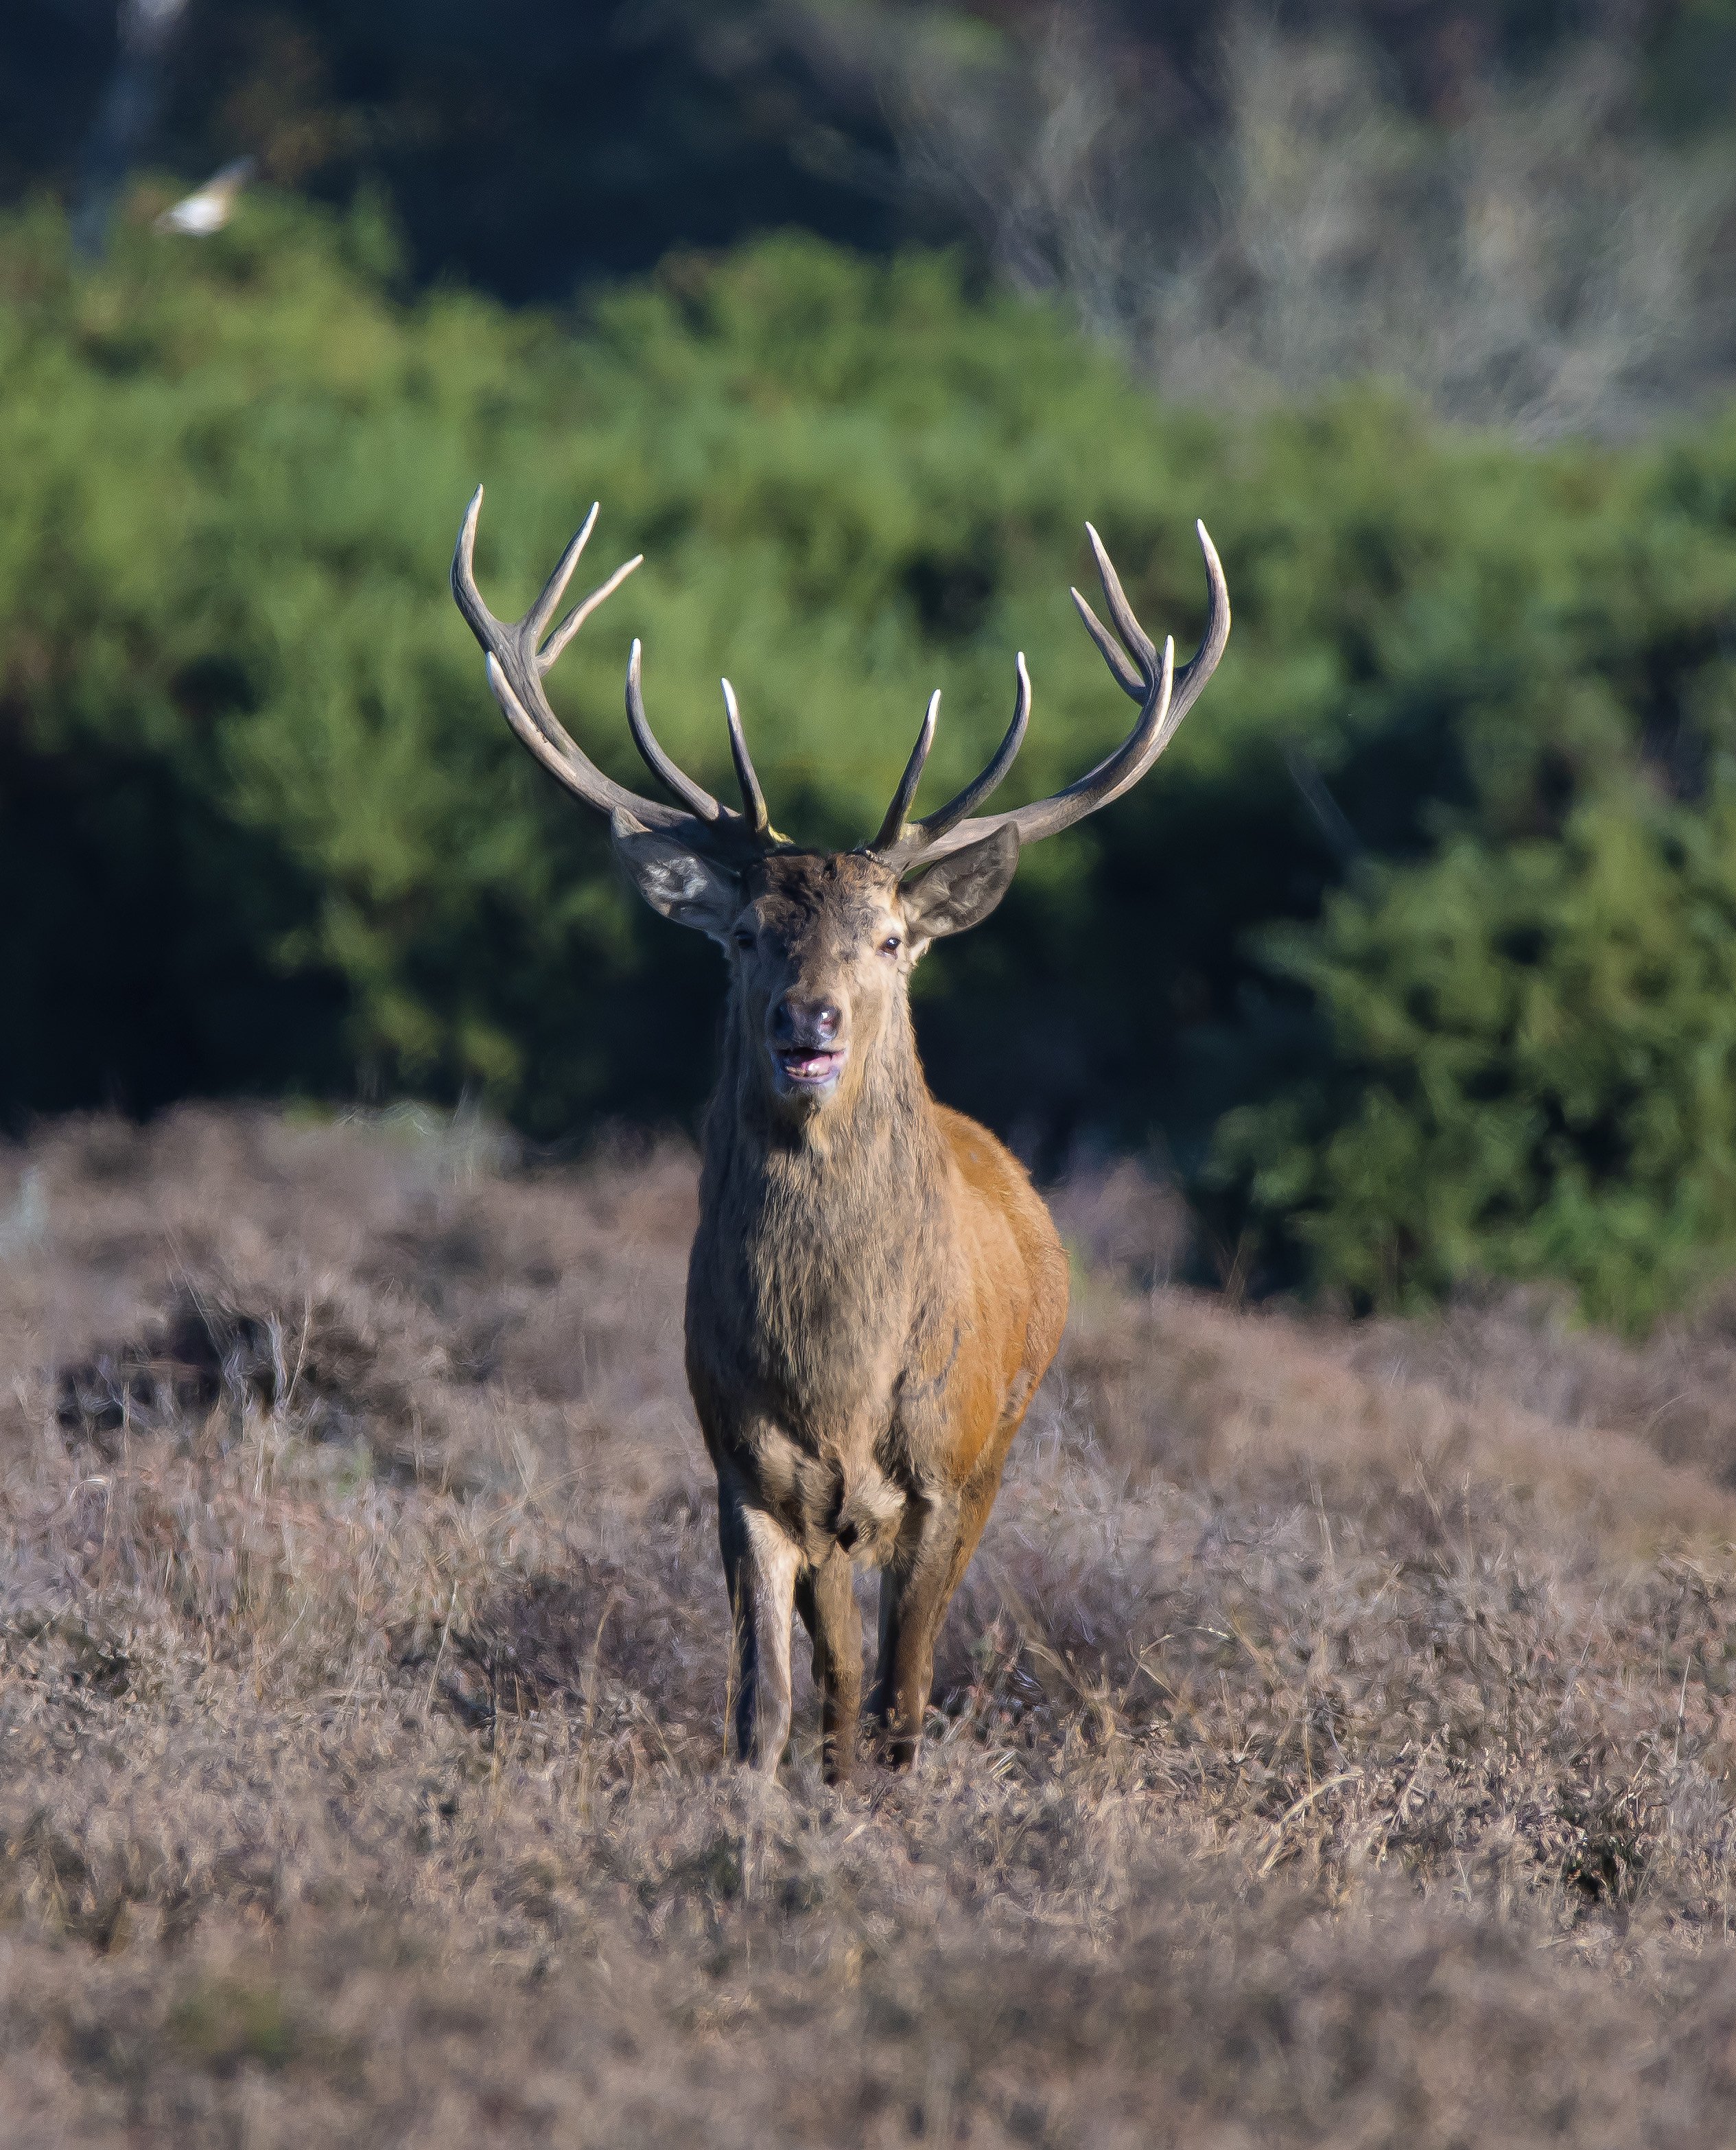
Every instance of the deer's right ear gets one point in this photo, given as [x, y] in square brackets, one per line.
[684, 886]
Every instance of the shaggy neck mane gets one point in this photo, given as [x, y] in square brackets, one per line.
[869, 1167]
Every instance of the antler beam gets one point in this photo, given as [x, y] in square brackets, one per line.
[1164, 696]
[518, 660]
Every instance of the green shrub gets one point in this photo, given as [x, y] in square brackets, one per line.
[260, 826]
[1535, 1071]
[263, 822]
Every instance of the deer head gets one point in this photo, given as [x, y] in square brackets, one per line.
[821, 944]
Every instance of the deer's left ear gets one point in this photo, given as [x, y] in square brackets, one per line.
[961, 891]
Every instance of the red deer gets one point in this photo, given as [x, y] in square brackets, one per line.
[876, 1288]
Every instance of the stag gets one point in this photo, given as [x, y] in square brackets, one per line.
[876, 1288]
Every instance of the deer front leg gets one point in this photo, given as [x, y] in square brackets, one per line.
[825, 1596]
[914, 1593]
[760, 1562]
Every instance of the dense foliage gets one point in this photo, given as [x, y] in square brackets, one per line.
[1535, 1044]
[260, 826]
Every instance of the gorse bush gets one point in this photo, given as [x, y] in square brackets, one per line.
[261, 826]
[1529, 1062]
[1533, 1074]
[252, 737]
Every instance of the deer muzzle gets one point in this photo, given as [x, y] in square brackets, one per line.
[808, 1050]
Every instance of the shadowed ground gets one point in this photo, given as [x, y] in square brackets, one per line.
[1335, 1741]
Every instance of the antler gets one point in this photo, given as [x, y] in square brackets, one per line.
[1164, 696]
[519, 659]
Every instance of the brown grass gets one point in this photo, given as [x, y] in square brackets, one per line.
[1334, 1746]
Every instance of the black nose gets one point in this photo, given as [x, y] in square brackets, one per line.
[804, 1022]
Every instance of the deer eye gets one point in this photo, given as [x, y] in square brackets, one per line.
[744, 940]
[891, 944]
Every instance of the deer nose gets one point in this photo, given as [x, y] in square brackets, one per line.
[804, 1022]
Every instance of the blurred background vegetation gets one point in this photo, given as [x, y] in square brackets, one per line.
[1416, 960]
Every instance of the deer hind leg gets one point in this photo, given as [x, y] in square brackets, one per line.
[760, 1562]
[825, 1596]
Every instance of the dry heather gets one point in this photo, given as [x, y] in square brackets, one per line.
[1332, 1748]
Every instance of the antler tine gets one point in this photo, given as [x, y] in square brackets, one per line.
[1190, 681]
[753, 799]
[515, 666]
[1126, 678]
[1140, 645]
[892, 828]
[909, 841]
[555, 588]
[667, 771]
[936, 824]
[581, 613]
[1200, 669]
[1165, 697]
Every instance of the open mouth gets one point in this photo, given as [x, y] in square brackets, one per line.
[807, 1070]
